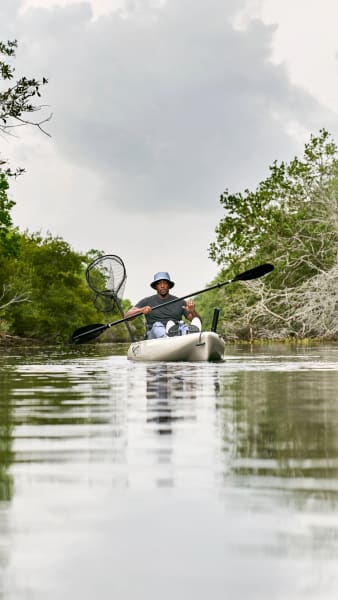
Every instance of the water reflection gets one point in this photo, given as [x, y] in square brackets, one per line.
[176, 477]
[57, 417]
[166, 390]
[6, 437]
[281, 428]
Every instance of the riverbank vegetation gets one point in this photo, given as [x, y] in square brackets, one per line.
[291, 221]
[43, 291]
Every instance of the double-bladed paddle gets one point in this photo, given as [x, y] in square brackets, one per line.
[90, 332]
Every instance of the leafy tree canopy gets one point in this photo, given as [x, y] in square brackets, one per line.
[44, 294]
[9, 239]
[291, 220]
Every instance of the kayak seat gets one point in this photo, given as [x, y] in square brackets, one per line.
[177, 330]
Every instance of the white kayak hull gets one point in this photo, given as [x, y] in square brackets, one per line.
[202, 346]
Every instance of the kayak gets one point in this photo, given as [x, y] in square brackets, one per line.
[201, 346]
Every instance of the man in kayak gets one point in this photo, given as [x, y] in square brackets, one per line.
[166, 320]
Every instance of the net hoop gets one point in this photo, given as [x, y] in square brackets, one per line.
[107, 276]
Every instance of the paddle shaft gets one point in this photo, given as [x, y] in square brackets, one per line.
[251, 274]
[95, 331]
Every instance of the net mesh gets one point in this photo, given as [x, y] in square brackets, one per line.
[107, 276]
[106, 304]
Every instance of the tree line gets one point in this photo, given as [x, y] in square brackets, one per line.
[290, 220]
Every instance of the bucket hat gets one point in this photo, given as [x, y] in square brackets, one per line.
[162, 275]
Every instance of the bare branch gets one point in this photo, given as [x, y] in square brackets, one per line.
[23, 122]
[7, 300]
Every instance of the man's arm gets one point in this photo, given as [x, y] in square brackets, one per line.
[135, 310]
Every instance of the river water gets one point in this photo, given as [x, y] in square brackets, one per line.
[122, 480]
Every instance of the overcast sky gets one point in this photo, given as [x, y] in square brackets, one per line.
[159, 106]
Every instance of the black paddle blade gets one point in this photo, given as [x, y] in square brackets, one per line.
[254, 273]
[87, 333]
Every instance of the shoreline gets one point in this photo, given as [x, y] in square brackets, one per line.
[9, 341]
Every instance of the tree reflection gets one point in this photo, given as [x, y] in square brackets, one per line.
[281, 424]
[6, 439]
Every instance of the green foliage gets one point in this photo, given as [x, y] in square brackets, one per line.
[9, 238]
[49, 276]
[46, 295]
[256, 222]
[291, 220]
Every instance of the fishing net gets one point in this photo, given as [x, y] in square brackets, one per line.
[107, 276]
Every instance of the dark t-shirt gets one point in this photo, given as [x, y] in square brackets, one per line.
[172, 312]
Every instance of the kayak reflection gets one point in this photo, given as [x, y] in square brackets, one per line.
[169, 392]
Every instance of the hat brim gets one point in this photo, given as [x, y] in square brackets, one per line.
[154, 283]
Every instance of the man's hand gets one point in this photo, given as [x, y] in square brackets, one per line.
[146, 310]
[190, 306]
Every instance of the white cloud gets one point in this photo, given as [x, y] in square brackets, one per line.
[305, 41]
